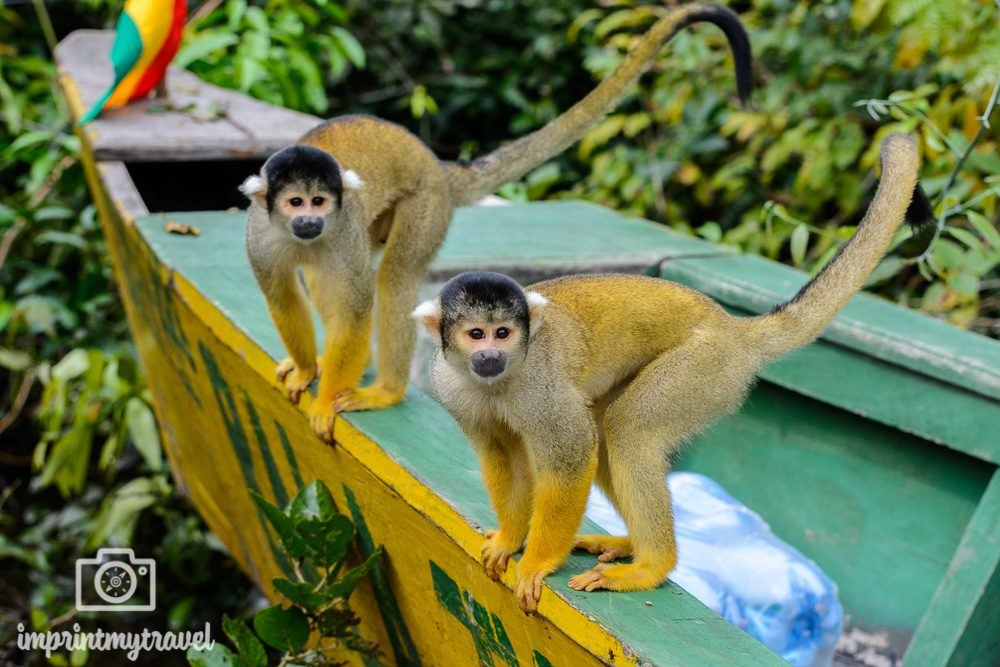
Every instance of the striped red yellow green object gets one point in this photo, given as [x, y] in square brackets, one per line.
[146, 40]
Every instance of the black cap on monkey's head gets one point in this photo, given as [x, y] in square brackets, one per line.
[305, 165]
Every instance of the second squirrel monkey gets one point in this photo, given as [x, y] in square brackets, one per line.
[357, 184]
[603, 377]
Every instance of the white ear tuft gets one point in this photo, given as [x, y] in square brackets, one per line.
[253, 185]
[429, 314]
[536, 303]
[428, 308]
[536, 300]
[352, 181]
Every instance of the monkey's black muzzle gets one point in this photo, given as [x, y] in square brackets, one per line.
[307, 227]
[489, 363]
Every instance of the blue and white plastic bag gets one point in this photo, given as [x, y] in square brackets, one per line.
[730, 560]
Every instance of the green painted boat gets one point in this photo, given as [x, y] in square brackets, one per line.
[874, 451]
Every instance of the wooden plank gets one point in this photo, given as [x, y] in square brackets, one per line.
[546, 239]
[881, 329]
[572, 236]
[954, 632]
[247, 128]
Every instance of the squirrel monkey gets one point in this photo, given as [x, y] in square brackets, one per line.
[605, 376]
[356, 184]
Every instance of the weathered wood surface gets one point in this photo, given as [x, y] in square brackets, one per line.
[962, 627]
[545, 239]
[146, 131]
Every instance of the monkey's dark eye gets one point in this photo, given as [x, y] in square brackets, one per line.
[318, 201]
[476, 334]
[503, 332]
[295, 201]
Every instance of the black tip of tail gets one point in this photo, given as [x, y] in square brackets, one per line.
[739, 42]
[920, 214]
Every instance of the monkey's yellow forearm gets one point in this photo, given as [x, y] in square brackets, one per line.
[294, 322]
[509, 480]
[559, 503]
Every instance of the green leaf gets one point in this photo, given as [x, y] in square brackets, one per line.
[345, 585]
[142, 431]
[202, 45]
[67, 464]
[327, 541]
[235, 10]
[985, 228]
[300, 593]
[606, 130]
[74, 364]
[350, 46]
[247, 645]
[79, 657]
[710, 231]
[26, 140]
[799, 242]
[964, 282]
[969, 239]
[115, 521]
[283, 629]
[58, 212]
[886, 269]
[14, 360]
[283, 527]
[314, 501]
[946, 255]
[218, 656]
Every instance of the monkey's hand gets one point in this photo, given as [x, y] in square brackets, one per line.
[496, 551]
[528, 585]
[321, 418]
[374, 397]
[295, 379]
[607, 547]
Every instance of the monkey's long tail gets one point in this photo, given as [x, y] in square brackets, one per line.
[470, 182]
[899, 197]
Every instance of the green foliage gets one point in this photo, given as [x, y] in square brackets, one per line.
[81, 465]
[789, 176]
[317, 539]
[283, 52]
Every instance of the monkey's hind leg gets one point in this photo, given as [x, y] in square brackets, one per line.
[607, 547]
[670, 399]
[417, 232]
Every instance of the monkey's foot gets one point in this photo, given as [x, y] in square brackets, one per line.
[528, 585]
[321, 418]
[631, 577]
[607, 547]
[295, 379]
[366, 398]
[496, 551]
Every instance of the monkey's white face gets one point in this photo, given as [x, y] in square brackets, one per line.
[305, 211]
[487, 351]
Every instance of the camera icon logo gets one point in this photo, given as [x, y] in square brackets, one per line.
[119, 579]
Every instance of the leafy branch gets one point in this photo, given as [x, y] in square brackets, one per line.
[317, 541]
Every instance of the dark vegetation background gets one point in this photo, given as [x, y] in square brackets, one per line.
[786, 177]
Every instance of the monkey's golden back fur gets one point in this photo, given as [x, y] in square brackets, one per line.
[614, 340]
[365, 144]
